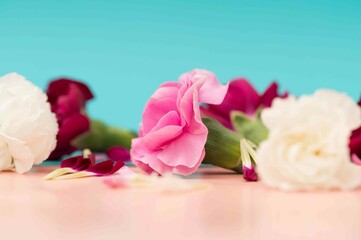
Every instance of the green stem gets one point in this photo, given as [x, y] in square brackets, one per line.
[101, 137]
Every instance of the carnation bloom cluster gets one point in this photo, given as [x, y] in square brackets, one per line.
[28, 128]
[308, 143]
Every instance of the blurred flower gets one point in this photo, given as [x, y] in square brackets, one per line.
[172, 135]
[241, 96]
[102, 138]
[307, 147]
[118, 153]
[28, 128]
[68, 99]
[355, 144]
[85, 165]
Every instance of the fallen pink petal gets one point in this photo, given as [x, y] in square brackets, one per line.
[80, 166]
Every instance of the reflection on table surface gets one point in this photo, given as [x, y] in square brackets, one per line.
[229, 209]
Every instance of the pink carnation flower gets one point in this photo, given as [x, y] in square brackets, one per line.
[172, 135]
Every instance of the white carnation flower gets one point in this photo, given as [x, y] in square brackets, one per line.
[307, 147]
[28, 128]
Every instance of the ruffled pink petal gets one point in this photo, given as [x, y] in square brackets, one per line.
[187, 170]
[184, 151]
[166, 90]
[157, 107]
[241, 96]
[171, 118]
[143, 166]
[137, 153]
[189, 110]
[157, 165]
[165, 130]
[186, 99]
[210, 89]
[147, 160]
[213, 92]
[155, 140]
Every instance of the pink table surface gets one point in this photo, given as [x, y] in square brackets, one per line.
[230, 208]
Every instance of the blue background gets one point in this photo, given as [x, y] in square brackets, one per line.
[125, 49]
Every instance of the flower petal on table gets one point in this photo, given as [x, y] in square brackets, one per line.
[118, 153]
[250, 174]
[107, 167]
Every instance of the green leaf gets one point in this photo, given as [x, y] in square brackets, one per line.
[250, 128]
[101, 137]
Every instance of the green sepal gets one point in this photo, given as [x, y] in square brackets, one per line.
[250, 128]
[222, 146]
[101, 137]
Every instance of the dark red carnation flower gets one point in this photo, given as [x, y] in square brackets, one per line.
[68, 99]
[243, 97]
